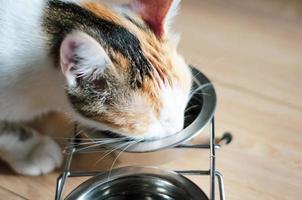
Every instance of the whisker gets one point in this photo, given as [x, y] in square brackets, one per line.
[199, 88]
[203, 93]
[110, 151]
[78, 133]
[86, 139]
[87, 147]
[111, 168]
[195, 75]
[191, 107]
[187, 116]
[104, 141]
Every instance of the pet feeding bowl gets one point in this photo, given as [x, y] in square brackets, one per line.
[141, 183]
[138, 183]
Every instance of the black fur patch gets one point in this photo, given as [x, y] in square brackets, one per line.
[62, 18]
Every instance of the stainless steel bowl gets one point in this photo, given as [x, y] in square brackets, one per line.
[138, 183]
[205, 103]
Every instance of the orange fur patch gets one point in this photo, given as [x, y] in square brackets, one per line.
[156, 51]
[121, 60]
[102, 12]
[151, 91]
[126, 122]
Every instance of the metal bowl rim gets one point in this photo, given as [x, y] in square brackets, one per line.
[172, 177]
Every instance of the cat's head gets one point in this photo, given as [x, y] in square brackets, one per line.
[125, 75]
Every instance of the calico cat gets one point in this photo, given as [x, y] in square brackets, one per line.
[112, 68]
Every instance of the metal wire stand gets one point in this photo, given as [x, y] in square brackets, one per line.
[211, 172]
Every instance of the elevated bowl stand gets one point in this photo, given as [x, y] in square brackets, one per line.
[212, 173]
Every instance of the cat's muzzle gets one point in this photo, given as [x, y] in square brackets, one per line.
[200, 111]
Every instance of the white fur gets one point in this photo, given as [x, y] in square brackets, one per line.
[35, 156]
[173, 11]
[25, 69]
[29, 85]
[171, 119]
[175, 99]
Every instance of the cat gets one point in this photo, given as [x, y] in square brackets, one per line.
[112, 68]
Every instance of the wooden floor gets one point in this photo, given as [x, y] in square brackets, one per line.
[253, 54]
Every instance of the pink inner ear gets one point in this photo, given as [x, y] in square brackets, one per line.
[67, 55]
[153, 13]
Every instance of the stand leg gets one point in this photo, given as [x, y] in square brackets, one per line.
[59, 188]
[221, 185]
[63, 177]
[212, 160]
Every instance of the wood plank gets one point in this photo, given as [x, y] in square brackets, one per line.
[9, 195]
[254, 58]
[264, 160]
[247, 49]
[28, 187]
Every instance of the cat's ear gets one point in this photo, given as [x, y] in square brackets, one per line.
[81, 56]
[158, 14]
